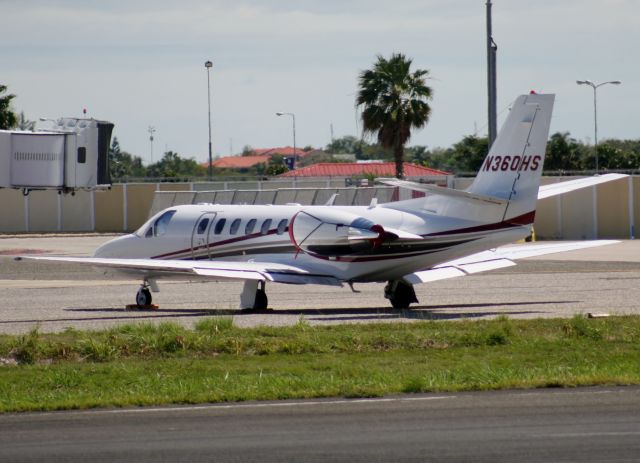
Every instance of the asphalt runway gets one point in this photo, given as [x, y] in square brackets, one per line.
[53, 296]
[582, 425]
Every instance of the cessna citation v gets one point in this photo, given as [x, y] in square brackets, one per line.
[446, 233]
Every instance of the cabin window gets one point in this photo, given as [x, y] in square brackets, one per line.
[264, 229]
[202, 226]
[159, 227]
[235, 225]
[82, 155]
[251, 224]
[219, 226]
[282, 226]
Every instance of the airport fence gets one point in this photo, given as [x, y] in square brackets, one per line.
[610, 210]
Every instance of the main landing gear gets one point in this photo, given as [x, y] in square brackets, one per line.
[254, 296]
[400, 294]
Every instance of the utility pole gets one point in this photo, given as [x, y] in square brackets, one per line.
[492, 50]
[151, 131]
[208, 65]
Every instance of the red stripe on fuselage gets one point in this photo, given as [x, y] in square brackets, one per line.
[524, 219]
[217, 243]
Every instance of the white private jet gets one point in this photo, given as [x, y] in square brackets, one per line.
[445, 234]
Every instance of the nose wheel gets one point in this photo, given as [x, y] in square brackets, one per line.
[143, 297]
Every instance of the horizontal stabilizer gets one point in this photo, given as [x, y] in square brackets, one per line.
[445, 271]
[442, 191]
[554, 189]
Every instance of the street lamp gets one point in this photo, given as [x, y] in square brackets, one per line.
[293, 117]
[595, 109]
[209, 65]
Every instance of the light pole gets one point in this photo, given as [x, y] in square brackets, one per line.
[492, 51]
[595, 109]
[151, 131]
[293, 117]
[209, 65]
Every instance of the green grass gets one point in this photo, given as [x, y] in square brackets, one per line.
[216, 362]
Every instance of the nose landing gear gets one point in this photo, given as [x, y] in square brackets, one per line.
[143, 296]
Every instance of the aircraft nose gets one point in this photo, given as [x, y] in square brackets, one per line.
[116, 247]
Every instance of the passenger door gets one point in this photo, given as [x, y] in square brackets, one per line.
[199, 244]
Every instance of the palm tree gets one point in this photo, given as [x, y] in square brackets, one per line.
[394, 101]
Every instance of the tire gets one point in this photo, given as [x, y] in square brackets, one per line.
[400, 302]
[143, 297]
[402, 297]
[261, 301]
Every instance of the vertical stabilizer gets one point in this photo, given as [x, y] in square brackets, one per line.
[513, 167]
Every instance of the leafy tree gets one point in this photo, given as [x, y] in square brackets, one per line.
[276, 165]
[315, 158]
[248, 151]
[615, 155]
[172, 165]
[394, 102]
[344, 145]
[8, 119]
[563, 153]
[363, 150]
[468, 154]
[123, 164]
[418, 155]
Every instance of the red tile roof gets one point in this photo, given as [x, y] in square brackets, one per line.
[261, 156]
[239, 162]
[348, 169]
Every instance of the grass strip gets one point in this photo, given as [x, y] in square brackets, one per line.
[217, 362]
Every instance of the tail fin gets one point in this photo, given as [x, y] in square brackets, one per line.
[513, 167]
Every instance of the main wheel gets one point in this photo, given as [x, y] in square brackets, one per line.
[400, 294]
[143, 297]
[261, 301]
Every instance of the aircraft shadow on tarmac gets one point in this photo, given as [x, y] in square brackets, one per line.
[426, 312]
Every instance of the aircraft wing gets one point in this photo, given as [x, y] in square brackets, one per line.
[497, 258]
[554, 189]
[213, 270]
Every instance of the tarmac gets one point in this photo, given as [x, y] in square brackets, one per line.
[555, 425]
[53, 297]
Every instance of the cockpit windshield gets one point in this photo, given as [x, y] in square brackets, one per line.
[157, 226]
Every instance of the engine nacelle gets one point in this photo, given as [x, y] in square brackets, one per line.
[334, 233]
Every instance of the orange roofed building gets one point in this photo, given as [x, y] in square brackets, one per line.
[259, 156]
[239, 162]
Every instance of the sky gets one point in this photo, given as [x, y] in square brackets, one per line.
[140, 63]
